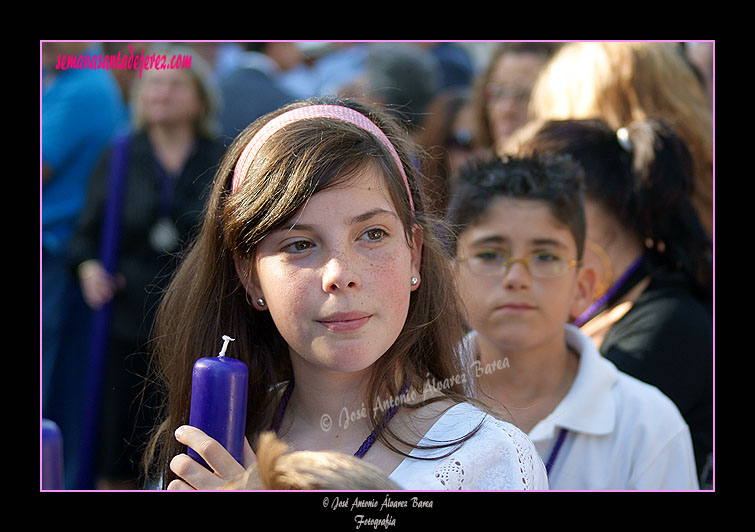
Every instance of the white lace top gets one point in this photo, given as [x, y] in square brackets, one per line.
[497, 457]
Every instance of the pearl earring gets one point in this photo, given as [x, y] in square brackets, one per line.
[414, 281]
[261, 302]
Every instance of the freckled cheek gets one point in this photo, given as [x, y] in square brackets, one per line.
[290, 304]
[385, 270]
[290, 295]
[286, 290]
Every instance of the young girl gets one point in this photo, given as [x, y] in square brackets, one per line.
[317, 256]
[169, 158]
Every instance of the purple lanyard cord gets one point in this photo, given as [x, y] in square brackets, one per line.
[556, 449]
[610, 294]
[367, 442]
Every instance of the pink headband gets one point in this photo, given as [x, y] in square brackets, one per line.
[337, 112]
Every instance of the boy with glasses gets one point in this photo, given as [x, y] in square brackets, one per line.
[519, 237]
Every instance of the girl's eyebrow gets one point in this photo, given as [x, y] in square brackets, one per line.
[371, 214]
[358, 219]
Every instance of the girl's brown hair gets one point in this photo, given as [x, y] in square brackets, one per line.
[206, 298]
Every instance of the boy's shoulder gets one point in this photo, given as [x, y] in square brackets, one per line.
[646, 413]
[636, 402]
[643, 397]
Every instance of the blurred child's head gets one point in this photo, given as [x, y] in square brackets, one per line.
[278, 469]
[519, 237]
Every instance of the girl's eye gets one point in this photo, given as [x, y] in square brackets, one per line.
[298, 246]
[375, 235]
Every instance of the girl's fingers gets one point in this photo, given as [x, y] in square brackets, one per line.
[179, 485]
[193, 474]
[216, 456]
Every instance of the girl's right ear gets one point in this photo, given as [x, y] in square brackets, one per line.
[249, 281]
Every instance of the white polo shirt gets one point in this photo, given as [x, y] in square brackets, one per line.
[622, 434]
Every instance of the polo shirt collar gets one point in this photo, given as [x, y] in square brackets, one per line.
[588, 407]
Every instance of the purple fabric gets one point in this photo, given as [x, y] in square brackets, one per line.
[109, 251]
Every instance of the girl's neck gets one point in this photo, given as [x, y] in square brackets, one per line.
[326, 411]
[332, 414]
[621, 246]
[623, 252]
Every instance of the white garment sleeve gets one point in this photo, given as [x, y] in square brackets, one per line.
[503, 458]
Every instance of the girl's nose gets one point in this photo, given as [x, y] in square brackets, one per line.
[339, 273]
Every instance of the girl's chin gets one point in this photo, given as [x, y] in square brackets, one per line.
[341, 362]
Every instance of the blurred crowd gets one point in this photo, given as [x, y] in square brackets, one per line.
[127, 158]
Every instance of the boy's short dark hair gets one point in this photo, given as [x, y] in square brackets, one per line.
[556, 180]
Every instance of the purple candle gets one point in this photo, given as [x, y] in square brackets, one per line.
[52, 456]
[218, 401]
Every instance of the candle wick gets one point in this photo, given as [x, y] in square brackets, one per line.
[226, 339]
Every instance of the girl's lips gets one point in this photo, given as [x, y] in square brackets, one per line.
[345, 321]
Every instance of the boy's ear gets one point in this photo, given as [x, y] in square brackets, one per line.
[583, 295]
[249, 280]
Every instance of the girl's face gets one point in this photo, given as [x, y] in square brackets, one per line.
[515, 310]
[337, 278]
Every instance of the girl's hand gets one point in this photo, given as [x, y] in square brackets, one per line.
[194, 476]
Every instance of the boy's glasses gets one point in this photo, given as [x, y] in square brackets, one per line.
[540, 264]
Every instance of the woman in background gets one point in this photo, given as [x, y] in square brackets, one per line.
[170, 160]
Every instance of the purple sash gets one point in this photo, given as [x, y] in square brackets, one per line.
[109, 252]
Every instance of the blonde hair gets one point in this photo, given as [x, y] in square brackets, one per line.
[624, 82]
[278, 469]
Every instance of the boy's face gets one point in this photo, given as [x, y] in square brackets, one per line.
[514, 309]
